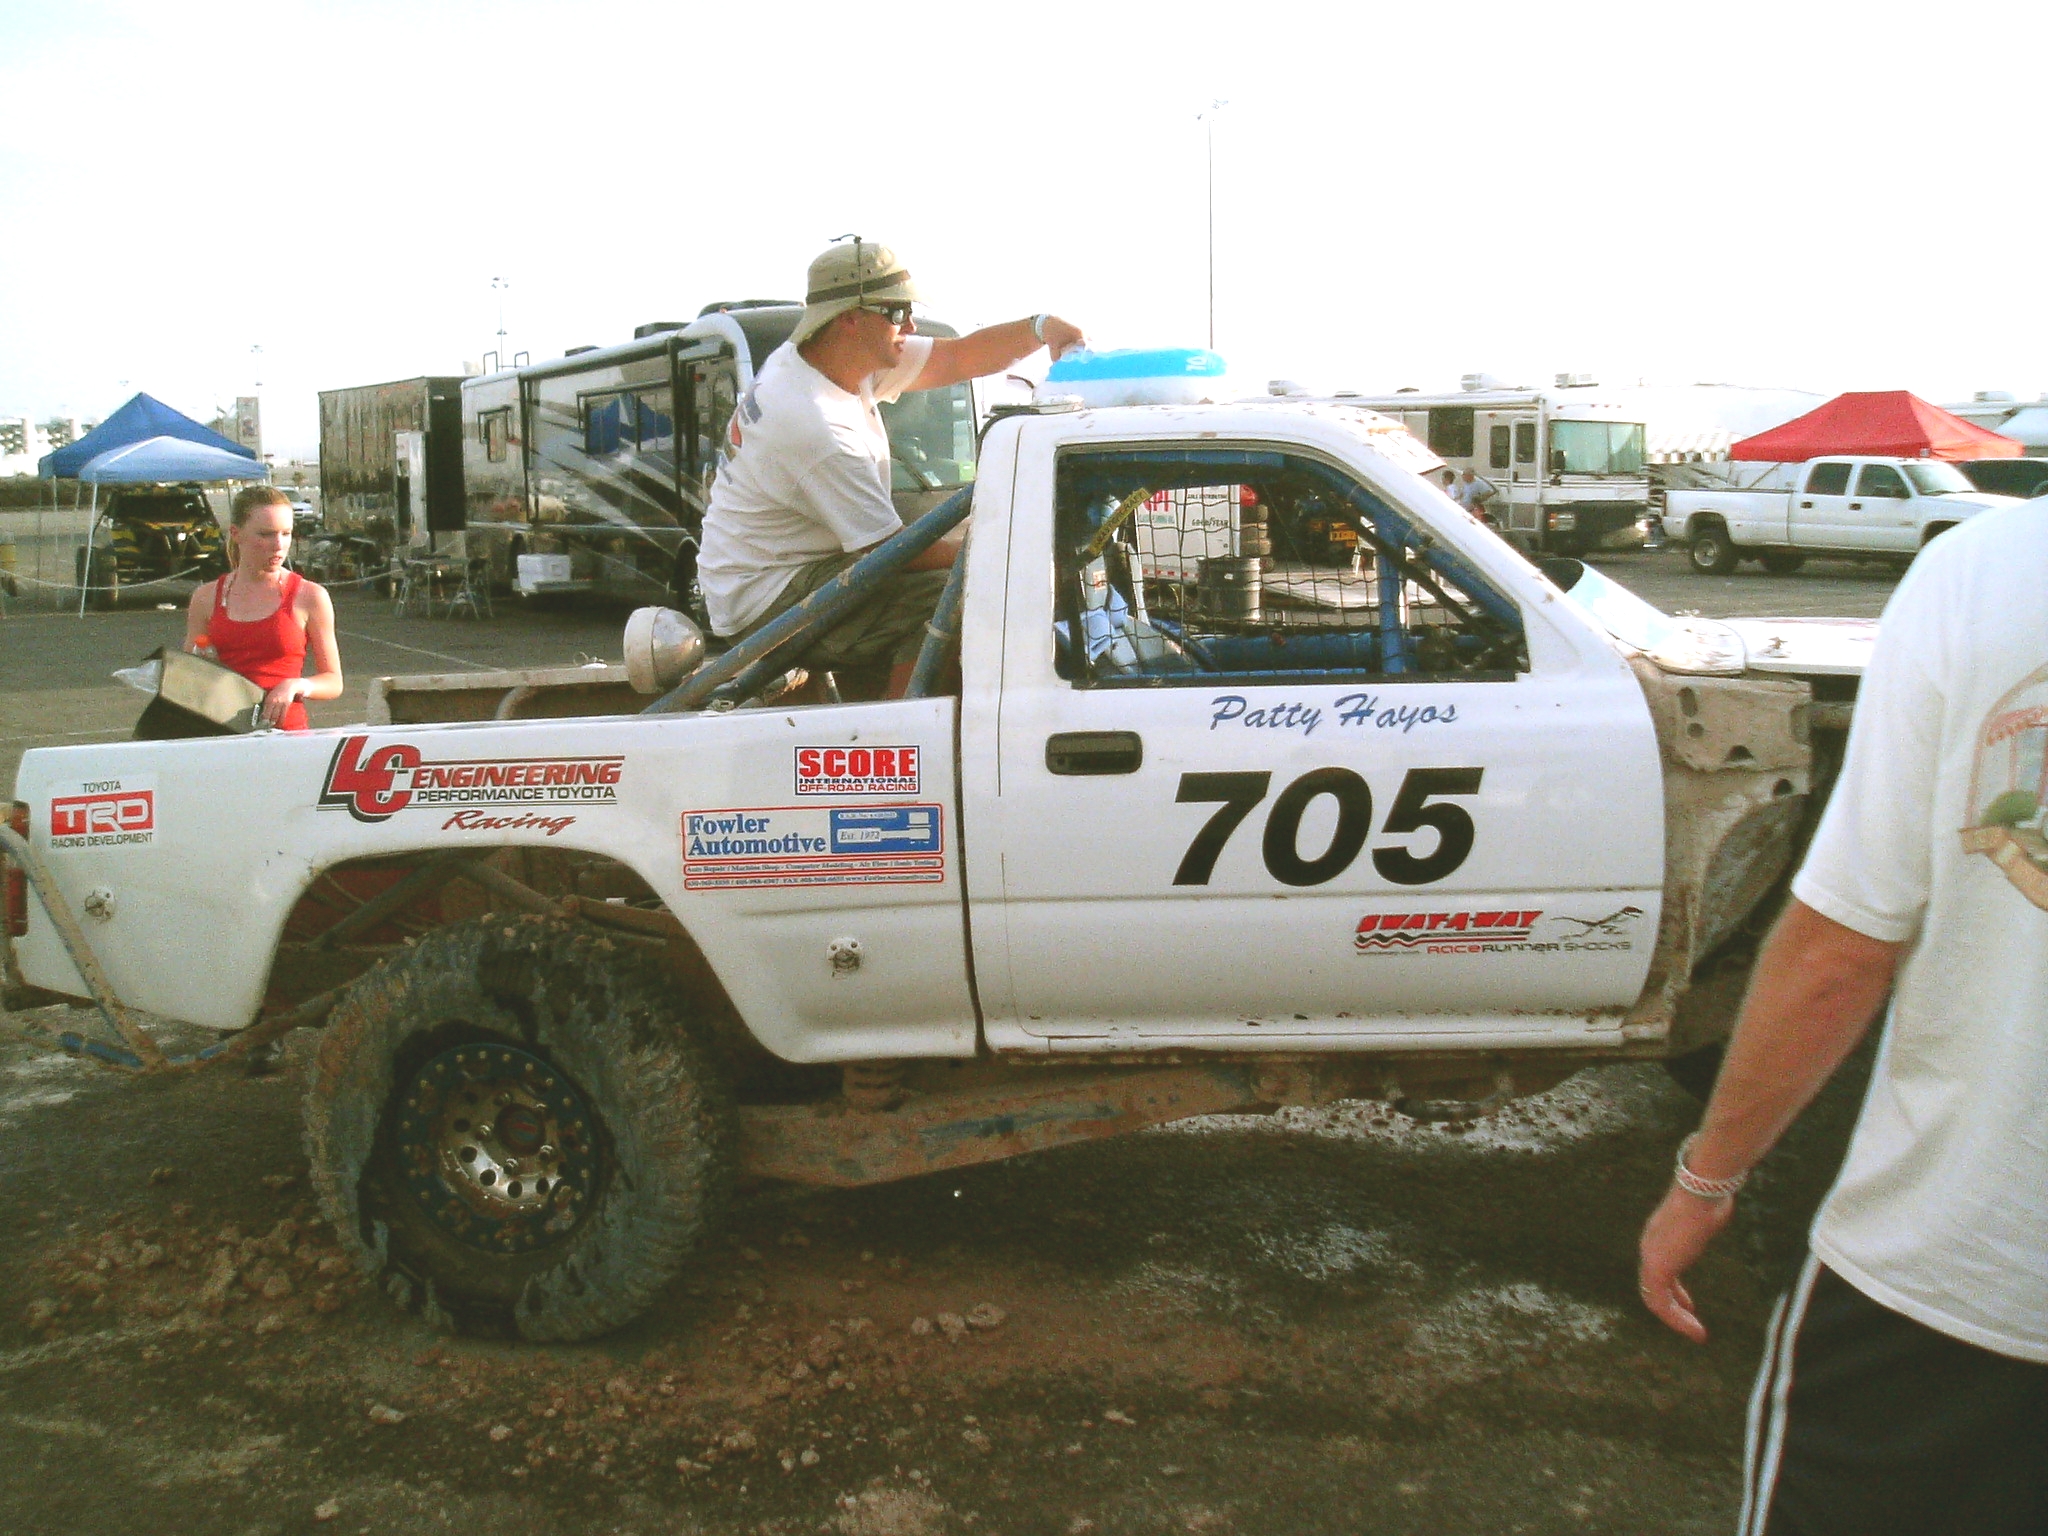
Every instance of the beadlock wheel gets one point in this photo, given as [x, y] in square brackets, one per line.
[498, 1147]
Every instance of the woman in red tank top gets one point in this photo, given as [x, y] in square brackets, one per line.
[261, 620]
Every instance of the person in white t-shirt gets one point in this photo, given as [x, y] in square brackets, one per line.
[1904, 1386]
[1473, 493]
[804, 488]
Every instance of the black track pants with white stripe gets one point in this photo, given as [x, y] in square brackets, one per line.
[1866, 1423]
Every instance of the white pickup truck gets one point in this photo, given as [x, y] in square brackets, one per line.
[1861, 508]
[1392, 814]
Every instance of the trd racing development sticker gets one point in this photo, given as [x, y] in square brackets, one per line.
[856, 771]
[376, 783]
[1477, 932]
[813, 845]
[105, 813]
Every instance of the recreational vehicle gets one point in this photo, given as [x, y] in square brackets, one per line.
[589, 472]
[1567, 469]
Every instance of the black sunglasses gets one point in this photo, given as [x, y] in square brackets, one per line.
[895, 314]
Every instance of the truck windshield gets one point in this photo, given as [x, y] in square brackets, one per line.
[931, 439]
[1931, 477]
[1596, 448]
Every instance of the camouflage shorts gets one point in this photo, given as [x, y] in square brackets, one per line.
[887, 628]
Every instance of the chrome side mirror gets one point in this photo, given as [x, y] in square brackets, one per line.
[662, 648]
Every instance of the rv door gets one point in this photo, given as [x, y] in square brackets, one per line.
[1508, 441]
[410, 488]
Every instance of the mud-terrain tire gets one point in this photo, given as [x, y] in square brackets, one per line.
[582, 1037]
[1710, 551]
[1781, 562]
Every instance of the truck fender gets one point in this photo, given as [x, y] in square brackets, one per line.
[1738, 776]
[351, 915]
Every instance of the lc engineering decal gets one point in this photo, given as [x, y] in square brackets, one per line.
[376, 783]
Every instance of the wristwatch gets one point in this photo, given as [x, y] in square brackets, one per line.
[1038, 326]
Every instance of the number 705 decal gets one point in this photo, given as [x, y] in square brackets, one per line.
[1238, 793]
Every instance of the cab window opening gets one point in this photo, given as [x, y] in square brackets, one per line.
[1828, 480]
[1186, 566]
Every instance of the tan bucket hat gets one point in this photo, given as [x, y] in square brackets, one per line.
[847, 276]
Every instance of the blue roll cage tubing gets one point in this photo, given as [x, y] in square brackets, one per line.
[1387, 530]
[749, 666]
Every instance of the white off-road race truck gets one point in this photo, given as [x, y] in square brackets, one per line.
[1241, 769]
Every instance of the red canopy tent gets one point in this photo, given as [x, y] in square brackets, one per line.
[1891, 423]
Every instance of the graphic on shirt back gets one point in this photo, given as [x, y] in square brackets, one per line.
[2009, 789]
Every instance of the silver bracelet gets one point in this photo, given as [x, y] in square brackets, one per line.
[1038, 326]
[1693, 1184]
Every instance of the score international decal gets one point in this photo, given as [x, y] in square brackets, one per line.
[813, 845]
[376, 783]
[105, 813]
[856, 771]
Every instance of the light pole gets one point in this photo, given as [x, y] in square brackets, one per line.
[1208, 121]
[499, 287]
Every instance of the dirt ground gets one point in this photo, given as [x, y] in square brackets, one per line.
[1326, 1322]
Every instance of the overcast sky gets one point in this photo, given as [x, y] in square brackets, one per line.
[1823, 196]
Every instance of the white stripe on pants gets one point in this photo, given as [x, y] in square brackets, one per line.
[1764, 1443]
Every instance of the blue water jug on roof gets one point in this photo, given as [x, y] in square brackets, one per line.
[1138, 376]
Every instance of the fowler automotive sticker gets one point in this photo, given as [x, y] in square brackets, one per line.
[813, 845]
[1464, 933]
[105, 813]
[376, 783]
[856, 770]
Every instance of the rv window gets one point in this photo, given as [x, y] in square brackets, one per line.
[1828, 480]
[1881, 480]
[496, 429]
[1450, 431]
[1192, 565]
[1596, 447]
[1525, 442]
[606, 420]
[657, 418]
[1497, 448]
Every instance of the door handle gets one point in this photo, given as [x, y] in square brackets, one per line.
[1077, 753]
[1807, 504]
[1855, 506]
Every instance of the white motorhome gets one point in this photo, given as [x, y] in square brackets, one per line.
[1567, 467]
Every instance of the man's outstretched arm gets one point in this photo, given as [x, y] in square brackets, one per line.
[992, 349]
[1816, 987]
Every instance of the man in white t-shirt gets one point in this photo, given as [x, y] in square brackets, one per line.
[1473, 493]
[804, 489]
[1904, 1386]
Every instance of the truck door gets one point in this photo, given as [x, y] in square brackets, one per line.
[1312, 794]
[1820, 514]
[1881, 506]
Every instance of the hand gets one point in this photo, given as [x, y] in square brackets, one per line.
[279, 699]
[1062, 337]
[203, 650]
[1674, 1237]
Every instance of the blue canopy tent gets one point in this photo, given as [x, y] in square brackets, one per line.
[159, 460]
[141, 418]
[168, 461]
